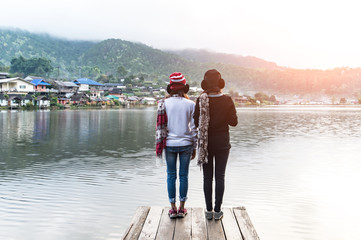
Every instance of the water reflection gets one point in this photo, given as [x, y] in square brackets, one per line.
[52, 136]
[266, 125]
[81, 174]
[299, 166]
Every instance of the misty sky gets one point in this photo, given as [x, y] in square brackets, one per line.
[298, 34]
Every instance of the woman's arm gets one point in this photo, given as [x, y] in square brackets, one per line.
[232, 114]
[193, 127]
[196, 113]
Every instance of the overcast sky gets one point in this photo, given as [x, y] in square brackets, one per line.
[299, 34]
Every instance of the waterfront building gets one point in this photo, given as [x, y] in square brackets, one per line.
[40, 85]
[3, 100]
[88, 85]
[16, 85]
[66, 87]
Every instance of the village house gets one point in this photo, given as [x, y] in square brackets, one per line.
[65, 98]
[88, 85]
[28, 99]
[158, 92]
[241, 99]
[65, 91]
[3, 100]
[110, 86]
[132, 100]
[20, 100]
[97, 101]
[43, 101]
[79, 99]
[16, 85]
[148, 101]
[111, 97]
[4, 75]
[117, 94]
[66, 87]
[15, 101]
[31, 78]
[40, 85]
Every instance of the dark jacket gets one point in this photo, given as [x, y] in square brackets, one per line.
[222, 114]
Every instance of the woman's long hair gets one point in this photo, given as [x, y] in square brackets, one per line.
[180, 93]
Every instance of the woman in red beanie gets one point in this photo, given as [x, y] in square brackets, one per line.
[177, 135]
[214, 113]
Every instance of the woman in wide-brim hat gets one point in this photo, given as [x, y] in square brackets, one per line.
[177, 135]
[214, 113]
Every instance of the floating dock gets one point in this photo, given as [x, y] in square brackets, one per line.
[154, 223]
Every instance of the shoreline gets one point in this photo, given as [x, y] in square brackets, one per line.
[278, 106]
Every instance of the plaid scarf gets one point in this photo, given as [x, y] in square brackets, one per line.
[161, 129]
[203, 129]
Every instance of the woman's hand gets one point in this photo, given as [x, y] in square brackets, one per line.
[193, 154]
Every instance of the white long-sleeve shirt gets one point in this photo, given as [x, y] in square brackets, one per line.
[181, 128]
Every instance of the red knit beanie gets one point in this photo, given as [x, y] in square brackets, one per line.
[177, 81]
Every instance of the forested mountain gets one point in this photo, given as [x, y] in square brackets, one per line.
[113, 59]
[62, 53]
[136, 58]
[92, 59]
[205, 56]
[72, 59]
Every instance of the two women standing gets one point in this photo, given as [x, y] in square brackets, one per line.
[212, 115]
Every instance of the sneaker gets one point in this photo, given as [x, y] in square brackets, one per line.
[209, 215]
[172, 213]
[182, 212]
[218, 215]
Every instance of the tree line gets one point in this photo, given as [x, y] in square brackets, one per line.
[33, 66]
[338, 81]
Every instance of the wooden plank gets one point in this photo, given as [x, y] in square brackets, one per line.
[154, 223]
[245, 224]
[230, 225]
[151, 224]
[183, 227]
[215, 230]
[199, 227]
[137, 223]
[166, 226]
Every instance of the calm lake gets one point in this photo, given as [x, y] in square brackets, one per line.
[81, 174]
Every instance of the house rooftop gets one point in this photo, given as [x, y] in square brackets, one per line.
[87, 81]
[4, 75]
[40, 82]
[66, 84]
[116, 91]
[78, 97]
[32, 78]
[15, 96]
[43, 97]
[113, 84]
[29, 96]
[13, 79]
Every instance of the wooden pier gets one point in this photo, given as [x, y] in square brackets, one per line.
[154, 223]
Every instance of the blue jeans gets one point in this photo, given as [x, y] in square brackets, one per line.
[171, 153]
